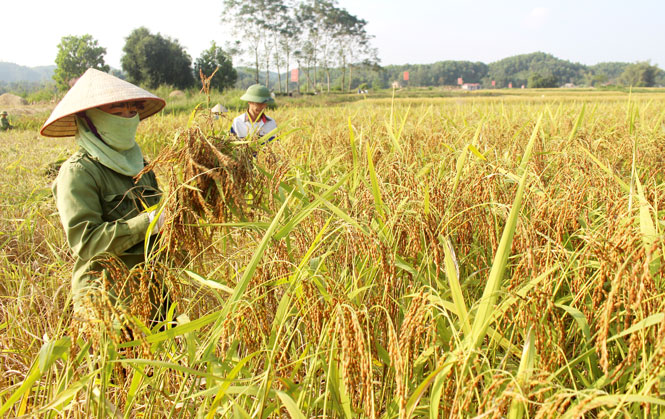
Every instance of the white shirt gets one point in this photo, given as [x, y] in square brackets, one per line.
[243, 127]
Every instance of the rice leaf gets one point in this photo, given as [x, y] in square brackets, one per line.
[354, 155]
[24, 389]
[227, 382]
[51, 351]
[137, 377]
[418, 393]
[580, 319]
[647, 225]
[472, 148]
[175, 331]
[578, 123]
[71, 391]
[455, 289]
[290, 405]
[642, 324]
[240, 413]
[242, 284]
[208, 282]
[486, 305]
[337, 387]
[459, 166]
[311, 207]
[610, 400]
[435, 397]
[376, 192]
[192, 115]
[659, 123]
[517, 407]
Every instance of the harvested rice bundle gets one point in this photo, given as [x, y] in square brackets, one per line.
[117, 297]
[211, 180]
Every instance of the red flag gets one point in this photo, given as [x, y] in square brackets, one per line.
[510, 85]
[460, 81]
[406, 76]
[493, 83]
[294, 75]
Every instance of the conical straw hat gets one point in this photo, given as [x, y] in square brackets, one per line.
[96, 88]
[219, 108]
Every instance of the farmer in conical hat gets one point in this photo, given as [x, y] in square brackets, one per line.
[102, 208]
[4, 122]
[218, 110]
[254, 122]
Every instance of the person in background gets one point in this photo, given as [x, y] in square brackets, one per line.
[4, 122]
[254, 122]
[218, 110]
[101, 206]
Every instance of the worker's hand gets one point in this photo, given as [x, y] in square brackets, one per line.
[160, 222]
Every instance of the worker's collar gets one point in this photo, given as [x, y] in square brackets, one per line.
[263, 118]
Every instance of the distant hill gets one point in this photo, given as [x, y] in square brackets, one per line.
[537, 69]
[10, 72]
[611, 70]
[517, 69]
[247, 77]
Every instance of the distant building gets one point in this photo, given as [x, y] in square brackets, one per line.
[569, 85]
[471, 86]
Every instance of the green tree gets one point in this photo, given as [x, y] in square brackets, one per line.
[75, 55]
[377, 82]
[607, 72]
[660, 78]
[250, 20]
[518, 68]
[641, 74]
[539, 81]
[212, 58]
[351, 43]
[441, 73]
[286, 32]
[153, 60]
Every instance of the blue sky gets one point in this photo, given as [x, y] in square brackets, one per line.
[407, 31]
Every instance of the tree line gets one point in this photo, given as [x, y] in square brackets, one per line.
[536, 70]
[318, 36]
[148, 59]
[533, 70]
[332, 52]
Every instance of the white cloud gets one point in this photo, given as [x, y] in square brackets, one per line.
[537, 17]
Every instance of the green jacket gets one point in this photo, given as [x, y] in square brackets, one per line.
[102, 212]
[4, 124]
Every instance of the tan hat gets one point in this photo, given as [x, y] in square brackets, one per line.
[96, 88]
[219, 108]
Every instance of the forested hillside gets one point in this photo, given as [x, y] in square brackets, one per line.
[537, 69]
[10, 72]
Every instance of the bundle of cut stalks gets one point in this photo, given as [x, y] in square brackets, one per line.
[211, 180]
[117, 298]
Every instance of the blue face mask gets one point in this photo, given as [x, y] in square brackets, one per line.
[116, 131]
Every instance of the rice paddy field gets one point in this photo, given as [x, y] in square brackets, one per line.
[474, 256]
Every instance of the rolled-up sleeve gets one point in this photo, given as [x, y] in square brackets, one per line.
[78, 201]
